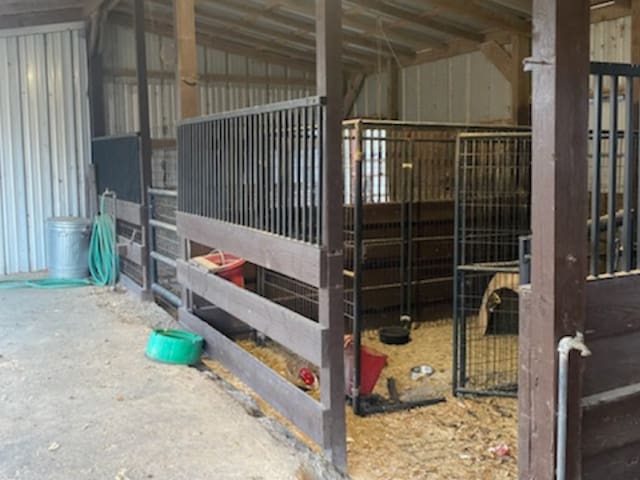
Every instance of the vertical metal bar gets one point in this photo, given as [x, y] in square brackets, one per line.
[305, 176]
[280, 174]
[259, 135]
[271, 180]
[313, 180]
[298, 173]
[291, 173]
[612, 183]
[627, 220]
[357, 282]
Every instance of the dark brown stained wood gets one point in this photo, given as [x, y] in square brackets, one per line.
[290, 401]
[617, 464]
[126, 211]
[295, 332]
[52, 16]
[559, 213]
[525, 429]
[611, 420]
[295, 259]
[187, 67]
[330, 294]
[132, 251]
[613, 306]
[614, 362]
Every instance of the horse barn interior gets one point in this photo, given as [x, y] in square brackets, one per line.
[406, 230]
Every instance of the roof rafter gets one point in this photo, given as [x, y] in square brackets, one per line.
[421, 19]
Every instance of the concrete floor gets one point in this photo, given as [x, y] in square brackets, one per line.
[79, 400]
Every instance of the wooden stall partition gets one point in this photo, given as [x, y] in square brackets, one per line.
[265, 184]
[556, 305]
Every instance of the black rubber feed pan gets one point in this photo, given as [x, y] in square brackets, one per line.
[394, 335]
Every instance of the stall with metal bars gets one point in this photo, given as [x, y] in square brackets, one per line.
[255, 183]
[493, 212]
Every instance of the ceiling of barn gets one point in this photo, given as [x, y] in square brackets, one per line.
[374, 31]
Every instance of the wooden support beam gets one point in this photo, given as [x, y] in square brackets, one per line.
[475, 12]
[559, 247]
[330, 293]
[422, 19]
[500, 58]
[187, 60]
[355, 87]
[44, 17]
[144, 122]
[520, 81]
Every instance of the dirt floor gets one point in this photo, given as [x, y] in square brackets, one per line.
[79, 400]
[454, 440]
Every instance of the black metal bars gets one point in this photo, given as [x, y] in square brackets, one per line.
[258, 168]
[619, 165]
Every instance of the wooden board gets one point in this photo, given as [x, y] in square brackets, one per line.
[292, 258]
[292, 330]
[306, 413]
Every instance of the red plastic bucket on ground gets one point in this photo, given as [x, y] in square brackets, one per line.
[231, 267]
[371, 364]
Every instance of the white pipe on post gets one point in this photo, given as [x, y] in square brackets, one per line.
[565, 345]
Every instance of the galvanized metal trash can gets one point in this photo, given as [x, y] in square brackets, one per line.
[67, 247]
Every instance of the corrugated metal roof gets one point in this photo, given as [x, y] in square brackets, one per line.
[44, 122]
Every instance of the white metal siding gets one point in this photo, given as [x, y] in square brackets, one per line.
[469, 88]
[215, 96]
[44, 138]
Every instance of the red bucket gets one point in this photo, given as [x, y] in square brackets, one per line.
[372, 363]
[230, 267]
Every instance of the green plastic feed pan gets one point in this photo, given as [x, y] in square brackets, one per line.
[174, 346]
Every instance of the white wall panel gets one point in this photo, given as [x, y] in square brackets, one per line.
[468, 88]
[44, 127]
[215, 95]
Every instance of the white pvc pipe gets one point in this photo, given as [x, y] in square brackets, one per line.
[565, 345]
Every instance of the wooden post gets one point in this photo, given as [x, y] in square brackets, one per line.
[187, 67]
[556, 307]
[145, 131]
[520, 81]
[331, 297]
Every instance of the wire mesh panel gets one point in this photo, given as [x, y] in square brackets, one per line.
[401, 175]
[493, 209]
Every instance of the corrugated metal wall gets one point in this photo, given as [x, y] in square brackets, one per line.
[216, 92]
[44, 138]
[468, 88]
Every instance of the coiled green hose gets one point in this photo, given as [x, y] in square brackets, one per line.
[104, 261]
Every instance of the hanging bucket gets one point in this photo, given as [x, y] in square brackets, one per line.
[225, 265]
